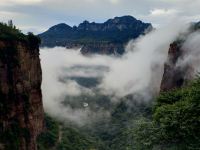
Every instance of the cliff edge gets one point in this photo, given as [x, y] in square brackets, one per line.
[176, 75]
[21, 108]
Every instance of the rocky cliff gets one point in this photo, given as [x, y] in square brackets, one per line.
[98, 48]
[173, 76]
[102, 38]
[176, 75]
[21, 108]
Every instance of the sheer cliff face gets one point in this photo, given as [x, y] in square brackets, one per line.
[175, 75]
[21, 108]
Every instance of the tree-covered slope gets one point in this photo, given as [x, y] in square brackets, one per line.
[59, 136]
[175, 123]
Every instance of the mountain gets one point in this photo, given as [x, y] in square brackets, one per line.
[109, 37]
[168, 121]
[175, 75]
[174, 123]
[21, 108]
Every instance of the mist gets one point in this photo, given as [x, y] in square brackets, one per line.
[138, 71]
[59, 67]
[191, 48]
[141, 67]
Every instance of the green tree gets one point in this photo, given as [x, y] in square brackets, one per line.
[176, 120]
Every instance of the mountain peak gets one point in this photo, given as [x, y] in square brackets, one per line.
[60, 27]
[124, 18]
[91, 36]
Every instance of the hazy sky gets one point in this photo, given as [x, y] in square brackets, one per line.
[39, 15]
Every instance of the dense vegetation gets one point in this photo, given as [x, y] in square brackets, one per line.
[175, 123]
[9, 32]
[103, 134]
[59, 136]
[171, 123]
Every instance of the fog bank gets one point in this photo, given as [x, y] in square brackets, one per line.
[139, 71]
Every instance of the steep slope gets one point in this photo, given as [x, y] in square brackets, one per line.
[176, 75]
[21, 108]
[175, 115]
[103, 38]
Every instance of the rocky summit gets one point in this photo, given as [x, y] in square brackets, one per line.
[109, 37]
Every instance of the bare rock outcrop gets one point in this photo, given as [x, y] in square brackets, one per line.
[175, 75]
[21, 107]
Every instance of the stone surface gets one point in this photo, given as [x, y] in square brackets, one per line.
[21, 110]
[175, 75]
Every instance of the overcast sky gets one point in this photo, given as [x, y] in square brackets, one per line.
[38, 15]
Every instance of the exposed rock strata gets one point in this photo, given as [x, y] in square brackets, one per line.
[21, 108]
[175, 75]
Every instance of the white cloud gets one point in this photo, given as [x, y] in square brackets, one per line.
[19, 2]
[134, 73]
[163, 12]
[51, 12]
[114, 1]
[55, 89]
[191, 56]
[7, 15]
[139, 71]
[26, 1]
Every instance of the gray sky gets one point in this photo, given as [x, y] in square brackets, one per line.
[38, 15]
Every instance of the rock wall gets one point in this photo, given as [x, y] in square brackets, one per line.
[103, 48]
[175, 75]
[21, 108]
[98, 48]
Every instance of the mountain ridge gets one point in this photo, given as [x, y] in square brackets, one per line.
[100, 36]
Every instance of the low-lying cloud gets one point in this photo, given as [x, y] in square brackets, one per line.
[142, 67]
[138, 71]
[191, 57]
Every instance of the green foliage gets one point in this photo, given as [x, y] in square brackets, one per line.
[74, 140]
[116, 132]
[60, 137]
[34, 41]
[175, 123]
[146, 134]
[10, 33]
[48, 139]
[180, 120]
[172, 125]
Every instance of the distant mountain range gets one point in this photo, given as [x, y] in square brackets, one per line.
[103, 38]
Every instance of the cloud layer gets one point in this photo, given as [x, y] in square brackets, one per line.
[139, 71]
[50, 12]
